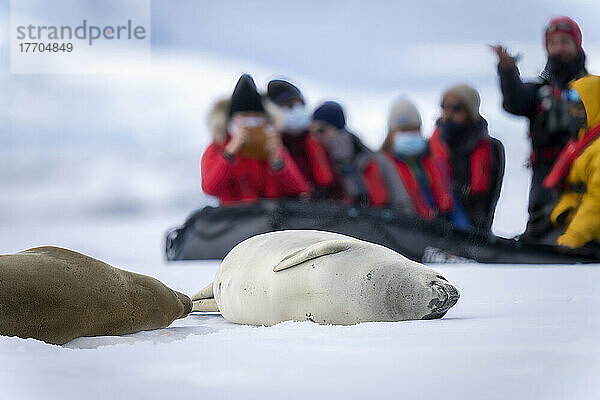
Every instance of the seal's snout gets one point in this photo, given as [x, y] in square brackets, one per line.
[186, 303]
[452, 295]
[445, 297]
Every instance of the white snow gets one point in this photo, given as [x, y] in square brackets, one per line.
[518, 332]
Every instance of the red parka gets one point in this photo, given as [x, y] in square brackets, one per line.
[311, 159]
[242, 180]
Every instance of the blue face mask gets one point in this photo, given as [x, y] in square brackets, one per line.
[296, 119]
[409, 144]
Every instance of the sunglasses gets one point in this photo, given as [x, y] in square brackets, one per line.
[452, 107]
[560, 27]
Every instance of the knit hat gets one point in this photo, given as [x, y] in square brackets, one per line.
[403, 114]
[468, 97]
[245, 96]
[280, 92]
[332, 113]
[564, 25]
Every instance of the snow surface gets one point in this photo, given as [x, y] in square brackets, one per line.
[518, 332]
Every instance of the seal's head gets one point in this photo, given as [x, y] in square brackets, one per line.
[444, 297]
[415, 290]
[186, 304]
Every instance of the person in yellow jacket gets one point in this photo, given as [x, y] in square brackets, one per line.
[578, 209]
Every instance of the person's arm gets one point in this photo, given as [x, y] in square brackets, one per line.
[441, 186]
[287, 174]
[375, 184]
[216, 169]
[482, 206]
[319, 164]
[217, 163]
[585, 224]
[519, 97]
[496, 179]
[447, 202]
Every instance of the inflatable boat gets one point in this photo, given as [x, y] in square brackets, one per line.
[210, 233]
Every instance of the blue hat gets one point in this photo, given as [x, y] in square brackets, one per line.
[332, 113]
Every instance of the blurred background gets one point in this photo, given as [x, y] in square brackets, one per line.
[77, 148]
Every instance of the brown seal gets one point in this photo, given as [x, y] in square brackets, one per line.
[56, 295]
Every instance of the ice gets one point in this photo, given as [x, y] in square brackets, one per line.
[518, 332]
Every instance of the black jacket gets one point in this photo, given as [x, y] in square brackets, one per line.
[549, 131]
[479, 208]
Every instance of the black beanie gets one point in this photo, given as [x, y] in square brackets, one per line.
[245, 96]
[280, 91]
[332, 113]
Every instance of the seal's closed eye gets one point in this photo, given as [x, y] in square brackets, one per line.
[314, 251]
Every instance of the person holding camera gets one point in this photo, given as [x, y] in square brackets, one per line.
[247, 160]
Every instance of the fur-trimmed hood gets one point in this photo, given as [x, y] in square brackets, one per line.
[218, 117]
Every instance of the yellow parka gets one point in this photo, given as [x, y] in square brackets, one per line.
[582, 210]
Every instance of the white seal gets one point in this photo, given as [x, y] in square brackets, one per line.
[323, 277]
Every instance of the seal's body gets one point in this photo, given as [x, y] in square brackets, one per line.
[324, 277]
[56, 295]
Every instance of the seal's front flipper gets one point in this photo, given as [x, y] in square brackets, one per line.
[206, 293]
[314, 251]
[206, 305]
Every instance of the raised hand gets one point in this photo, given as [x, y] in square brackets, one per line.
[505, 59]
[239, 135]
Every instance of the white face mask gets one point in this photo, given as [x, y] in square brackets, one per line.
[296, 119]
[237, 123]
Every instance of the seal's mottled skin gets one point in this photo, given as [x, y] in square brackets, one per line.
[323, 277]
[56, 295]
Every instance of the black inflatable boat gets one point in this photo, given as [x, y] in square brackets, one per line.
[212, 232]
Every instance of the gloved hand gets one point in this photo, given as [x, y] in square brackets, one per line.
[572, 239]
[505, 59]
[354, 186]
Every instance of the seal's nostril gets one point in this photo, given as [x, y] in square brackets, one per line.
[441, 277]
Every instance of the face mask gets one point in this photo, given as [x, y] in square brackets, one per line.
[409, 144]
[296, 119]
[340, 147]
[238, 123]
[451, 131]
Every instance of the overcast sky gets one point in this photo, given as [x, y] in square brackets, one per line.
[376, 46]
[366, 43]
[370, 49]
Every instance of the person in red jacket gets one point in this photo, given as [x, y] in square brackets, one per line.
[474, 159]
[286, 102]
[421, 185]
[247, 161]
[359, 178]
